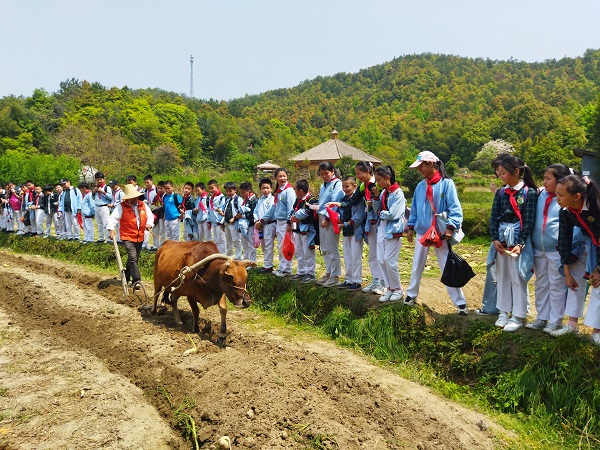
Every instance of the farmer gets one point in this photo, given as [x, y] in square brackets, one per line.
[134, 217]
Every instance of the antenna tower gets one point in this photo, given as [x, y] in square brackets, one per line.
[191, 76]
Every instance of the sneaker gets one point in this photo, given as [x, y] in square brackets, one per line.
[567, 329]
[502, 320]
[333, 281]
[296, 277]
[354, 287]
[380, 289]
[371, 286]
[462, 310]
[265, 270]
[281, 273]
[386, 296]
[596, 338]
[481, 312]
[323, 279]
[343, 285]
[410, 301]
[396, 296]
[308, 279]
[537, 324]
[551, 327]
[513, 324]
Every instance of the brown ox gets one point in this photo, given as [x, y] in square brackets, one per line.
[217, 277]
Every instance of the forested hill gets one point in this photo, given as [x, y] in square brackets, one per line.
[448, 104]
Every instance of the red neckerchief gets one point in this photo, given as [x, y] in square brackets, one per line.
[37, 199]
[394, 187]
[585, 226]
[185, 197]
[212, 197]
[437, 176]
[300, 200]
[280, 190]
[551, 195]
[513, 203]
[158, 199]
[246, 199]
[201, 201]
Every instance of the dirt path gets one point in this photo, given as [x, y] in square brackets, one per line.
[81, 369]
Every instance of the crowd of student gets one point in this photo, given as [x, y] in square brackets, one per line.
[552, 231]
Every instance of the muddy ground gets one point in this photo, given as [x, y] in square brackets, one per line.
[82, 368]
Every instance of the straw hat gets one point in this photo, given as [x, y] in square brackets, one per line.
[131, 192]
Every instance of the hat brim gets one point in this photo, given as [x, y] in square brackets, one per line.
[129, 197]
[416, 164]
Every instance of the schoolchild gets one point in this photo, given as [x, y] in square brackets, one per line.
[284, 198]
[579, 199]
[37, 211]
[87, 212]
[329, 240]
[304, 222]
[352, 214]
[390, 228]
[102, 195]
[186, 208]
[550, 292]
[70, 205]
[149, 192]
[158, 209]
[117, 197]
[511, 223]
[435, 194]
[2, 208]
[216, 213]
[232, 213]
[28, 195]
[364, 171]
[265, 223]
[49, 209]
[246, 222]
[201, 208]
[59, 224]
[132, 179]
[172, 202]
[14, 203]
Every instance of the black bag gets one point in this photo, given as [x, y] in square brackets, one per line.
[457, 271]
[26, 219]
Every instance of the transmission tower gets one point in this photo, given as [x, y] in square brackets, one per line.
[191, 76]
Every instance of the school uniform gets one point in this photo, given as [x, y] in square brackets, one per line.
[172, 216]
[189, 217]
[26, 207]
[101, 210]
[70, 204]
[149, 196]
[329, 241]
[390, 228]
[372, 216]
[265, 214]
[158, 209]
[445, 200]
[39, 216]
[246, 227]
[304, 235]
[233, 237]
[512, 225]
[202, 218]
[216, 211]
[14, 203]
[284, 199]
[87, 215]
[50, 208]
[353, 212]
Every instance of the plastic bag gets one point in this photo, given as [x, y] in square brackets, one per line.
[288, 248]
[457, 271]
[431, 238]
[334, 217]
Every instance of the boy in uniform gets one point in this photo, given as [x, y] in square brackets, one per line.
[102, 196]
[70, 205]
[172, 202]
[216, 211]
[149, 192]
[265, 223]
[304, 227]
[87, 212]
[246, 223]
[233, 208]
[186, 208]
[201, 208]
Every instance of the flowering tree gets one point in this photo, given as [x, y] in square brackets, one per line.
[488, 153]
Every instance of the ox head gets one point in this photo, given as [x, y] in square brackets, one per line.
[233, 277]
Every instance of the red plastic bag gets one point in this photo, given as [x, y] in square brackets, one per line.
[431, 237]
[334, 217]
[288, 248]
[80, 219]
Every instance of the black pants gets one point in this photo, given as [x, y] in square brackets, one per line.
[132, 271]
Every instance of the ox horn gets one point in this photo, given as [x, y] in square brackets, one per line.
[208, 260]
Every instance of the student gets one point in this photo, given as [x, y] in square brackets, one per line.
[49, 209]
[232, 213]
[436, 194]
[550, 292]
[186, 208]
[265, 223]
[132, 179]
[28, 195]
[246, 222]
[511, 223]
[579, 199]
[329, 241]
[59, 224]
[158, 208]
[364, 172]
[216, 210]
[201, 208]
[134, 217]
[284, 199]
[389, 232]
[14, 202]
[117, 197]
[87, 212]
[102, 196]
[70, 205]
[37, 211]
[352, 215]
[172, 201]
[149, 192]
[304, 226]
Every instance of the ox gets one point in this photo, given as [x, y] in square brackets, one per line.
[212, 278]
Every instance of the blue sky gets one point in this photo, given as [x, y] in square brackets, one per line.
[252, 46]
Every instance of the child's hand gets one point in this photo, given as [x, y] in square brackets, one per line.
[410, 235]
[571, 283]
[499, 247]
[324, 223]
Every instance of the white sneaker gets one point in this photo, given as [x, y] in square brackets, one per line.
[380, 289]
[331, 282]
[281, 274]
[502, 320]
[371, 286]
[386, 296]
[513, 324]
[323, 279]
[550, 327]
[567, 329]
[396, 296]
[596, 338]
[537, 324]
[462, 310]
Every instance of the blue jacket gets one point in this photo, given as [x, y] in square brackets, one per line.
[75, 200]
[393, 215]
[265, 209]
[373, 211]
[445, 200]
[103, 199]
[285, 204]
[547, 240]
[171, 209]
[218, 203]
[330, 192]
[353, 215]
[87, 205]
[202, 215]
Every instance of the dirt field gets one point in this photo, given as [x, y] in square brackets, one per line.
[80, 368]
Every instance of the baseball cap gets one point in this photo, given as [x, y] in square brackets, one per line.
[113, 182]
[65, 180]
[425, 156]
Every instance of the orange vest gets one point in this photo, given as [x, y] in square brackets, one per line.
[129, 227]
